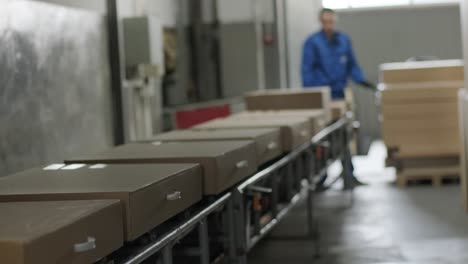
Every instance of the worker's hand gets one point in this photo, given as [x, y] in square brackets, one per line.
[369, 85]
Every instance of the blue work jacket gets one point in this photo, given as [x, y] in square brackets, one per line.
[330, 62]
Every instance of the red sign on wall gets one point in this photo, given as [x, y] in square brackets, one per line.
[189, 118]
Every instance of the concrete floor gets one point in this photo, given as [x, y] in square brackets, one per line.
[380, 224]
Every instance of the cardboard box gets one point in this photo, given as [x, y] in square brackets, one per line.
[294, 131]
[338, 109]
[403, 94]
[317, 118]
[349, 98]
[419, 111]
[147, 192]
[421, 120]
[291, 99]
[56, 232]
[267, 140]
[422, 71]
[426, 162]
[224, 163]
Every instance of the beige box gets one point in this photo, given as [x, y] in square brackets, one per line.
[402, 94]
[422, 71]
[291, 99]
[338, 109]
[317, 118]
[150, 194]
[294, 131]
[224, 163]
[62, 232]
[421, 120]
[267, 140]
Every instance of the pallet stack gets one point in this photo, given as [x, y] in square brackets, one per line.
[419, 114]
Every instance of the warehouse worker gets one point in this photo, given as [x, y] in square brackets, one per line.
[328, 60]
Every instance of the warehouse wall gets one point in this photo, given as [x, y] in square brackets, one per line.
[54, 97]
[464, 29]
[91, 5]
[165, 10]
[388, 35]
[302, 21]
[391, 34]
[241, 48]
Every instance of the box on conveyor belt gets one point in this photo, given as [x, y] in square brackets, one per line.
[339, 109]
[267, 140]
[294, 131]
[421, 120]
[224, 163]
[150, 194]
[291, 99]
[422, 71]
[317, 118]
[61, 232]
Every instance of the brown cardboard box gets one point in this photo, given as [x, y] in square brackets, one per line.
[349, 99]
[409, 102]
[403, 94]
[294, 131]
[421, 120]
[317, 118]
[291, 99]
[422, 71]
[419, 110]
[148, 192]
[267, 140]
[224, 163]
[339, 109]
[56, 232]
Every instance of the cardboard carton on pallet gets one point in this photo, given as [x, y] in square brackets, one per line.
[421, 120]
[422, 71]
[419, 113]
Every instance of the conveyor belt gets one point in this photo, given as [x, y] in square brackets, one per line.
[283, 185]
[335, 138]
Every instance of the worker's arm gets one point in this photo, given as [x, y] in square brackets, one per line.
[355, 70]
[312, 75]
[353, 67]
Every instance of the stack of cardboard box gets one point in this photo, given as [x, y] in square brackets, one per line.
[419, 108]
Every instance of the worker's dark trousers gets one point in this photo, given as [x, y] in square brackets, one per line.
[321, 182]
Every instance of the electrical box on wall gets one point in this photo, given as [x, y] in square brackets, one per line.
[143, 45]
[144, 64]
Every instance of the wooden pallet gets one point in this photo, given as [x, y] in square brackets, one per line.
[436, 175]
